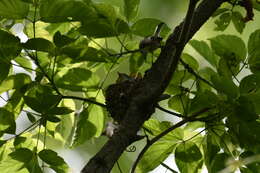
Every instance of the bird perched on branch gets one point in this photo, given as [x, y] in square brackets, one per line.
[150, 44]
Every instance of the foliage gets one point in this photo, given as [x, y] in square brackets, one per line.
[72, 48]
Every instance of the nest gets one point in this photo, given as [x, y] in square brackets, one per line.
[118, 97]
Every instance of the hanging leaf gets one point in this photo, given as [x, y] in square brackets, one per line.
[14, 82]
[155, 155]
[65, 11]
[188, 157]
[7, 122]
[223, 21]
[131, 9]
[56, 162]
[253, 51]
[9, 46]
[39, 44]
[224, 45]
[77, 79]
[204, 50]
[85, 129]
[238, 21]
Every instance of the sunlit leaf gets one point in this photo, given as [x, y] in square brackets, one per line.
[156, 154]
[77, 79]
[84, 129]
[56, 162]
[14, 82]
[64, 11]
[188, 157]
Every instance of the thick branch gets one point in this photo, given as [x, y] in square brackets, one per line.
[144, 98]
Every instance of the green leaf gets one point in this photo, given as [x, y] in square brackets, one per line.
[179, 103]
[253, 51]
[190, 60]
[101, 28]
[202, 100]
[253, 42]
[210, 149]
[61, 40]
[7, 122]
[41, 99]
[14, 82]
[188, 157]
[156, 127]
[256, 4]
[227, 87]
[238, 21]
[15, 103]
[9, 46]
[56, 162]
[245, 109]
[77, 79]
[188, 152]
[85, 129]
[91, 54]
[250, 84]
[39, 44]
[59, 111]
[223, 21]
[206, 73]
[22, 154]
[107, 24]
[31, 118]
[218, 163]
[96, 117]
[219, 11]
[204, 50]
[65, 11]
[225, 45]
[146, 27]
[5, 68]
[156, 154]
[131, 9]
[255, 98]
[228, 66]
[13, 9]
[24, 62]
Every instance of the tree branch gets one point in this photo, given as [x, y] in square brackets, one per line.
[170, 112]
[144, 97]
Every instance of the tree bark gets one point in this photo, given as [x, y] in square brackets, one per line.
[146, 95]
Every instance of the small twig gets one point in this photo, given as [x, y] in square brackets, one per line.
[167, 167]
[25, 130]
[170, 112]
[85, 100]
[120, 170]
